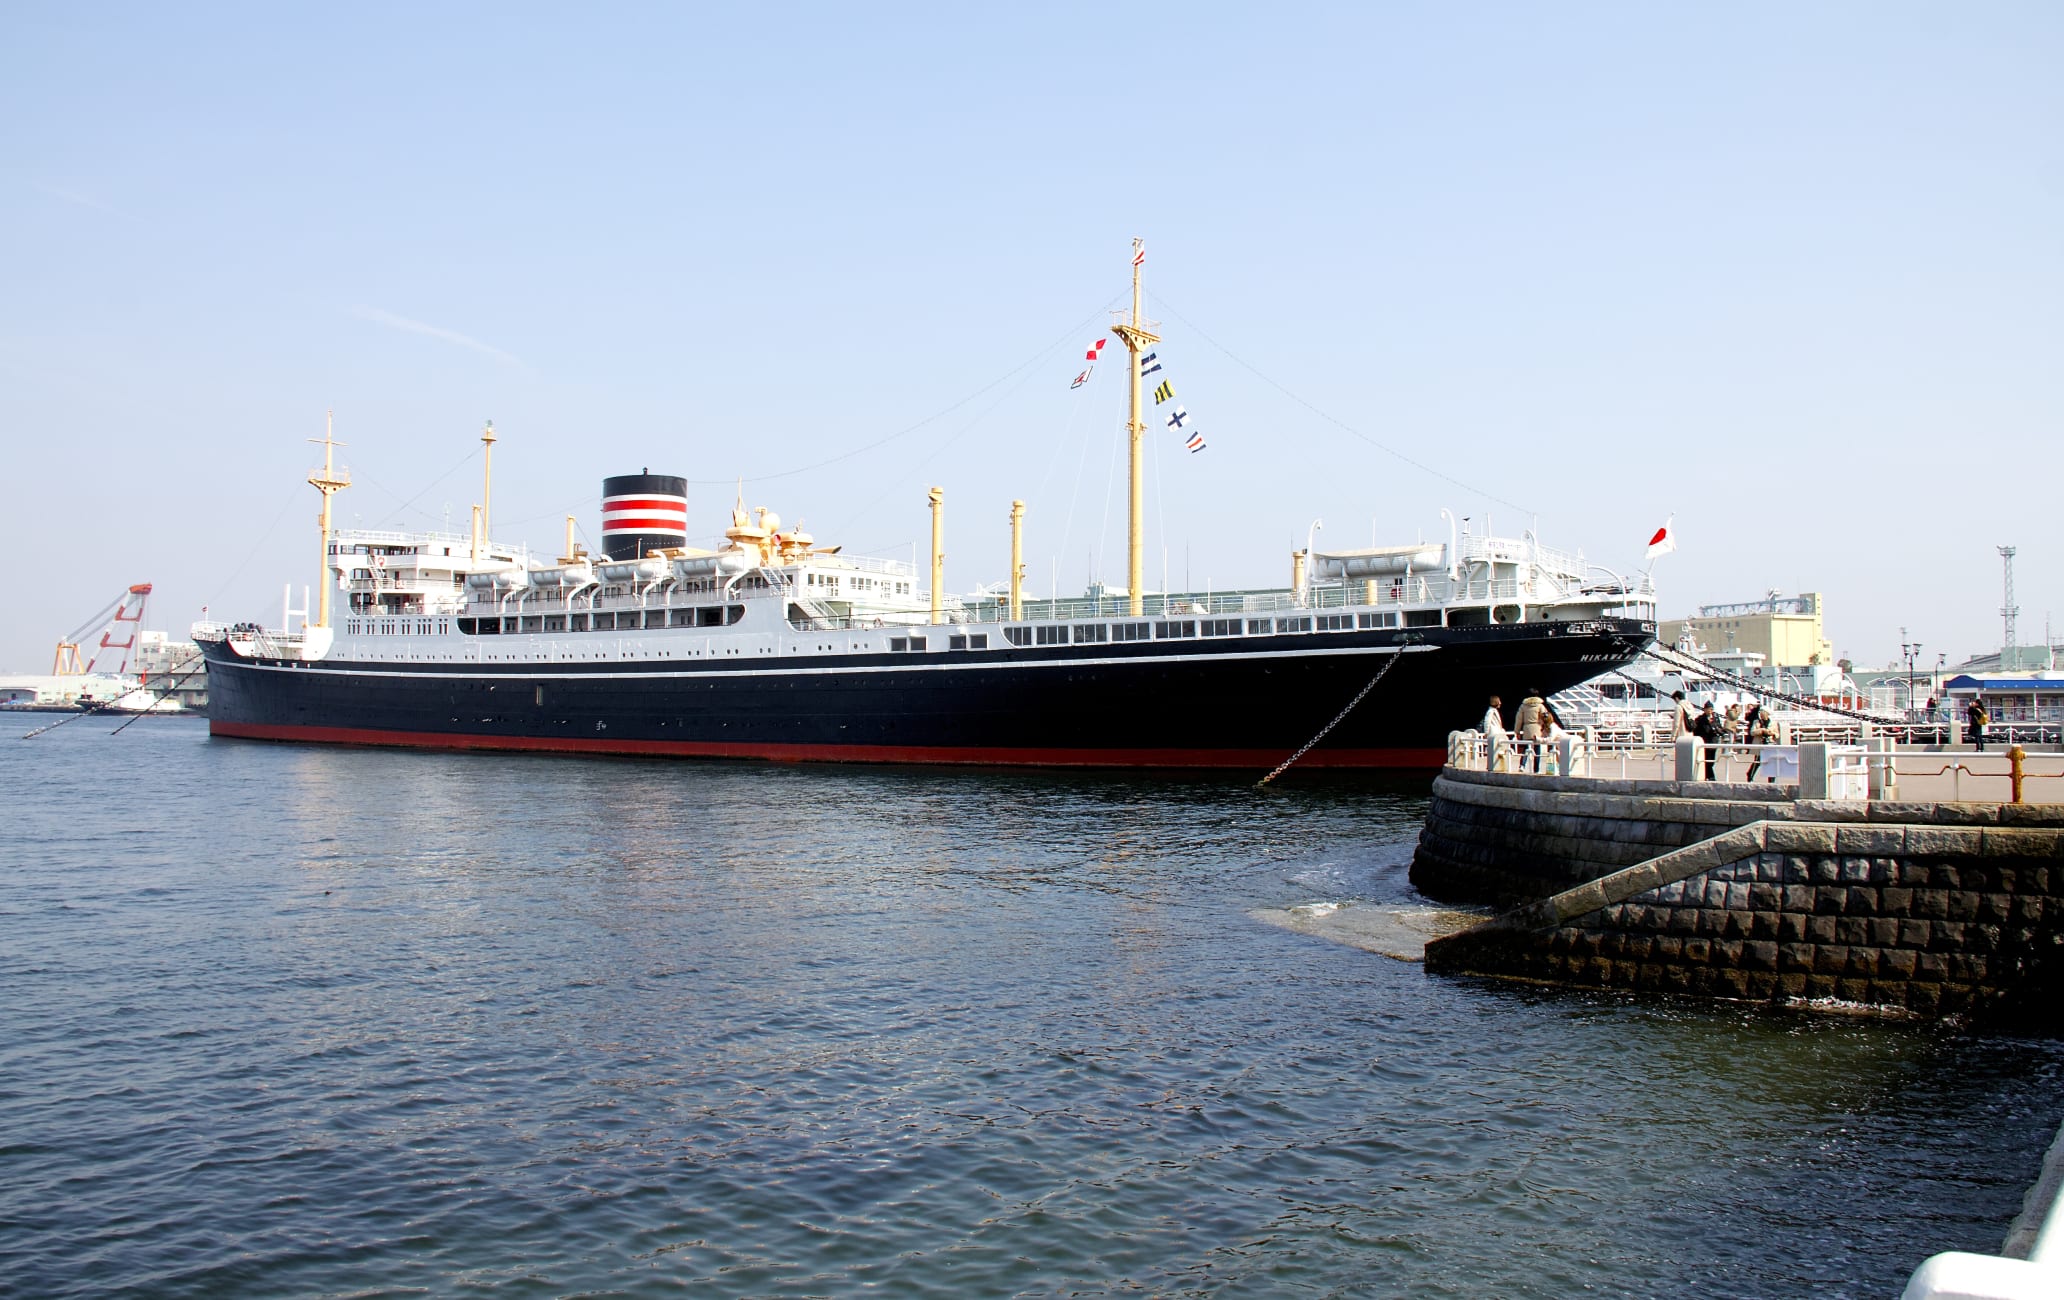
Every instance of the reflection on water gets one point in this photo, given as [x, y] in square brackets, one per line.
[276, 1018]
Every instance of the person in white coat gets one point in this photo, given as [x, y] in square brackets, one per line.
[1495, 746]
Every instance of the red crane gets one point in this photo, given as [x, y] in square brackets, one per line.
[127, 611]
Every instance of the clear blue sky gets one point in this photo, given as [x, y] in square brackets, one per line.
[1792, 273]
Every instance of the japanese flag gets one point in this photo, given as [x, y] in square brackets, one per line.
[1663, 542]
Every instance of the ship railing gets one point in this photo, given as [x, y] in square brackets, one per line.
[1519, 550]
[874, 622]
[345, 538]
[876, 564]
[276, 645]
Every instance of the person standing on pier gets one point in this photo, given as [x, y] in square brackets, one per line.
[1680, 723]
[1530, 720]
[1494, 736]
[1709, 728]
[1756, 731]
[1977, 717]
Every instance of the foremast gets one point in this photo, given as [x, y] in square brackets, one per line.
[329, 480]
[1137, 337]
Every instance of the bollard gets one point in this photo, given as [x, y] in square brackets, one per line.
[1566, 755]
[1813, 770]
[2014, 756]
[1688, 758]
[1956, 728]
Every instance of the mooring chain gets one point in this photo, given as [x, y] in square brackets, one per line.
[1360, 695]
[161, 692]
[90, 707]
[84, 709]
[1683, 664]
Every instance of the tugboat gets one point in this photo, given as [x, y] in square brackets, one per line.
[774, 647]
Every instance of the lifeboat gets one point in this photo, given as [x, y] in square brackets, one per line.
[1378, 562]
[565, 577]
[724, 564]
[650, 569]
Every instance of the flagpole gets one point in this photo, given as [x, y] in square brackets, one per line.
[1137, 337]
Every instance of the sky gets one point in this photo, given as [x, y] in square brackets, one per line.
[1791, 276]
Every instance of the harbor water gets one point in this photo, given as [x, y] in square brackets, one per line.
[298, 1021]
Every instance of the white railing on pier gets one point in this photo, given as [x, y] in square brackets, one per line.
[1595, 755]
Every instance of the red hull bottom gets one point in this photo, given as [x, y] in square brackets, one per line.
[983, 756]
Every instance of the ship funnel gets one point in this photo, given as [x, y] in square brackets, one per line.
[642, 513]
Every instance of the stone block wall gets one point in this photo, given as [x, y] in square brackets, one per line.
[1503, 838]
[1928, 919]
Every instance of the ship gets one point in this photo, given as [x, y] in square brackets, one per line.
[771, 646]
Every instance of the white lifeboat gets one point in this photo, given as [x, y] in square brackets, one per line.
[723, 564]
[566, 576]
[500, 580]
[650, 569]
[1377, 562]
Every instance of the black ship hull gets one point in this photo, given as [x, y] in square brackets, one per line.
[1240, 702]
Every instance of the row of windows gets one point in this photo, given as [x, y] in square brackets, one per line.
[958, 641]
[397, 626]
[726, 615]
[855, 583]
[1096, 633]
[624, 620]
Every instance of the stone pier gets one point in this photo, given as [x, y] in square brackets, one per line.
[1953, 909]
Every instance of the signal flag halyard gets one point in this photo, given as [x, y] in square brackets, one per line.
[1149, 363]
[1177, 418]
[1083, 378]
[1164, 392]
[1196, 442]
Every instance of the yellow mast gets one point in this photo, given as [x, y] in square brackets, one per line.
[937, 497]
[328, 480]
[487, 442]
[1137, 339]
[1017, 576]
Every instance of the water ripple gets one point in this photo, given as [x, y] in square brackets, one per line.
[348, 1023]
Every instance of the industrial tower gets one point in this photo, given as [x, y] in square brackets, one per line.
[2009, 658]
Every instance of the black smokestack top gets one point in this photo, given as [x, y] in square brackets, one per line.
[642, 513]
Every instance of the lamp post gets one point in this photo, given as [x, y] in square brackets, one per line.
[1912, 651]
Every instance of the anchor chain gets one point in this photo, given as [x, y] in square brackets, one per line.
[1388, 664]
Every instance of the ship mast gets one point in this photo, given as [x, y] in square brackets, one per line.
[328, 480]
[1137, 338]
[487, 442]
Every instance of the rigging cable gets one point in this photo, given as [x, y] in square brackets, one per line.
[935, 452]
[410, 503]
[933, 418]
[1684, 663]
[1104, 529]
[244, 563]
[1331, 419]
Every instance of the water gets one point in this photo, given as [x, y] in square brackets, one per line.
[282, 1021]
